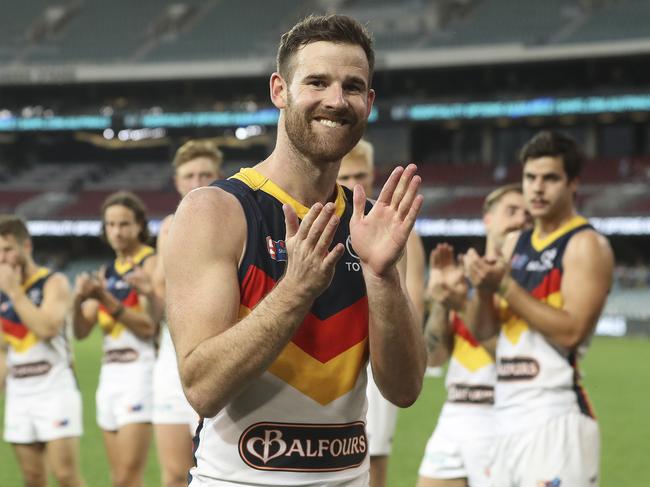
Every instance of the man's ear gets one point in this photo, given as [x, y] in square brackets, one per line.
[278, 88]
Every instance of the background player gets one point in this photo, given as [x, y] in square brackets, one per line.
[551, 294]
[255, 363]
[458, 451]
[127, 310]
[197, 163]
[43, 403]
[357, 167]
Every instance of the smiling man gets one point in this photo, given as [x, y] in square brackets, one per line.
[272, 327]
[549, 296]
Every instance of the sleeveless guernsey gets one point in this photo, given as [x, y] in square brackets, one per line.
[302, 421]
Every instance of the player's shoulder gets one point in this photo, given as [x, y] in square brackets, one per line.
[589, 241]
[57, 281]
[207, 199]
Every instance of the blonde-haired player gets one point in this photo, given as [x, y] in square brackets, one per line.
[196, 163]
[357, 167]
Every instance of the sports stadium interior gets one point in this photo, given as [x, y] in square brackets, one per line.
[96, 96]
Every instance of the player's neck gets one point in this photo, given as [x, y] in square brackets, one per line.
[545, 226]
[305, 181]
[128, 253]
[28, 270]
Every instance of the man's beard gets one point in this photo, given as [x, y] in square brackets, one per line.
[317, 147]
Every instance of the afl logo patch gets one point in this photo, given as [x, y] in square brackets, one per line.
[294, 447]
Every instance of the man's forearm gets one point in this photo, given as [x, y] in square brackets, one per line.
[222, 366]
[437, 335]
[397, 350]
[554, 323]
[482, 317]
[139, 322]
[43, 325]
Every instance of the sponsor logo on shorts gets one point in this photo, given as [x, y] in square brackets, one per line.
[470, 394]
[120, 355]
[134, 408]
[277, 249]
[61, 423]
[517, 368]
[34, 369]
[303, 447]
[556, 482]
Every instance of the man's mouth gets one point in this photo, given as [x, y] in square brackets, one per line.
[331, 123]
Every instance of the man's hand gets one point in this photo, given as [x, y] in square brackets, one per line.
[310, 263]
[485, 274]
[87, 286]
[140, 280]
[379, 238]
[9, 279]
[447, 284]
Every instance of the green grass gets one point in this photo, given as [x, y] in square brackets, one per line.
[616, 376]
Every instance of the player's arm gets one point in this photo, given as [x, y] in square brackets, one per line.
[438, 335]
[46, 320]
[397, 352]
[415, 273]
[158, 277]
[85, 308]
[3, 361]
[141, 323]
[219, 354]
[482, 313]
[588, 265]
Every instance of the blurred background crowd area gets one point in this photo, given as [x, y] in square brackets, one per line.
[96, 96]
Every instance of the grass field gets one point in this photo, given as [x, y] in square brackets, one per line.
[616, 375]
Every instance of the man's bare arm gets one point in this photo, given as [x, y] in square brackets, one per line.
[218, 353]
[46, 320]
[397, 352]
[3, 362]
[438, 336]
[588, 267]
[415, 273]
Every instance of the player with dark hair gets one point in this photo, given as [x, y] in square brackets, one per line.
[280, 282]
[43, 403]
[197, 163]
[358, 167]
[457, 453]
[121, 298]
[551, 286]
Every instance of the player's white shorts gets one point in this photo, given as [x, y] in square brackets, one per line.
[170, 405]
[362, 481]
[43, 417]
[381, 420]
[124, 395]
[450, 454]
[563, 452]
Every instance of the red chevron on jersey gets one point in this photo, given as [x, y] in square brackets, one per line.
[14, 329]
[322, 339]
[551, 283]
[461, 330]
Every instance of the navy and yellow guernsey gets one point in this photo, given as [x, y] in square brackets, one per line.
[34, 365]
[121, 345]
[537, 380]
[302, 421]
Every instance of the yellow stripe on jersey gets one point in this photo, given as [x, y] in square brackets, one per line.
[21, 345]
[323, 382]
[540, 243]
[39, 274]
[257, 181]
[122, 267]
[471, 357]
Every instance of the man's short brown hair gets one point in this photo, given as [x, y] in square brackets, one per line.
[495, 196]
[16, 226]
[335, 28]
[133, 203]
[194, 149]
[548, 143]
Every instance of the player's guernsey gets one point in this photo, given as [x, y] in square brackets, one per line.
[537, 380]
[34, 365]
[121, 345]
[471, 375]
[302, 421]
